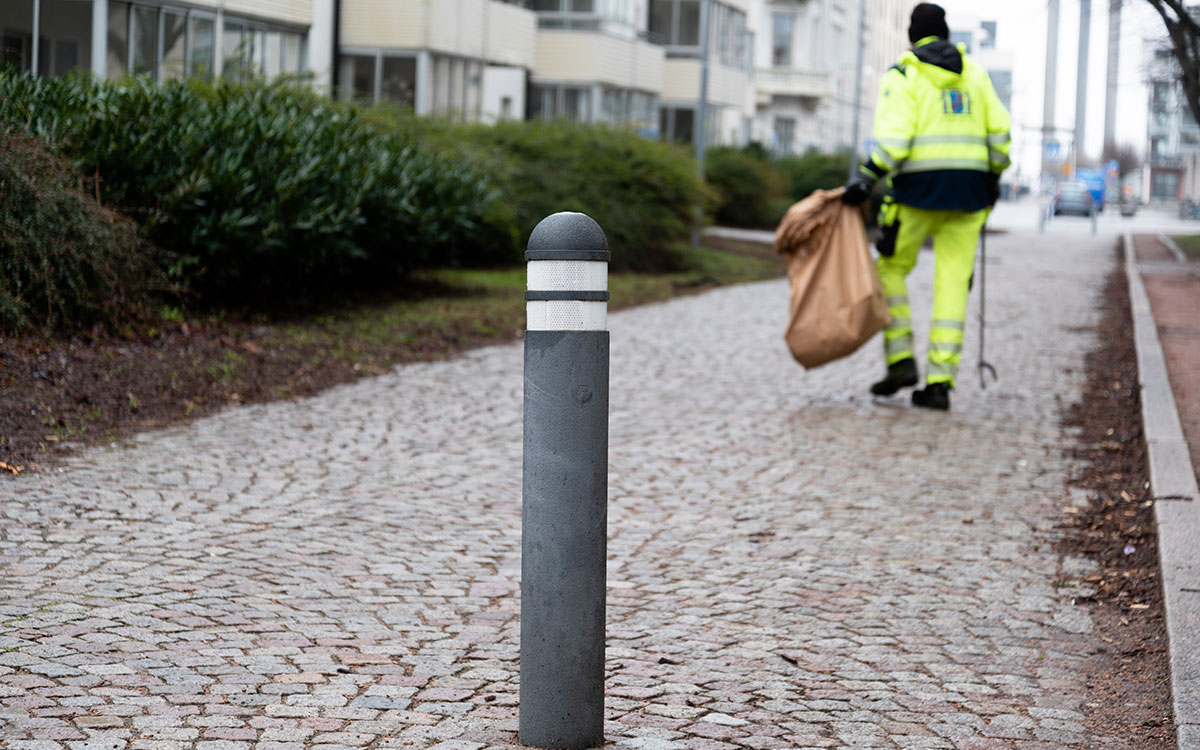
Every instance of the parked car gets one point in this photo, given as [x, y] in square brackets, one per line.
[1073, 198]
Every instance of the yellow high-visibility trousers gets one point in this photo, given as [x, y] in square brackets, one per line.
[955, 237]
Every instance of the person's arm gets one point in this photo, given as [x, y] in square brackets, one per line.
[895, 125]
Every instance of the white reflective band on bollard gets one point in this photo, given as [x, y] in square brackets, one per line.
[568, 275]
[566, 315]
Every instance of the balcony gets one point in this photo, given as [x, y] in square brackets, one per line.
[810, 84]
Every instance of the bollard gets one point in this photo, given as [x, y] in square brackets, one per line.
[564, 512]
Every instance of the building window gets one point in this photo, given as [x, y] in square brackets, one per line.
[1164, 186]
[64, 39]
[249, 49]
[559, 102]
[627, 107]
[676, 23]
[785, 135]
[783, 25]
[961, 37]
[201, 45]
[677, 124]
[145, 41]
[399, 82]
[574, 14]
[728, 36]
[174, 45]
[16, 33]
[360, 78]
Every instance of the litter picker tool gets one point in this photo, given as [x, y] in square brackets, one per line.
[984, 366]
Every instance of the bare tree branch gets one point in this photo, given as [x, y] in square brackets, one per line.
[1183, 29]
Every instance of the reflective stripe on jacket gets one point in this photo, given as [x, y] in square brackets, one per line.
[942, 131]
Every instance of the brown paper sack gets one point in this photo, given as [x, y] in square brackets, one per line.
[837, 302]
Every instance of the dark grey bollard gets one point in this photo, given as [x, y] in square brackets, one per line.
[565, 498]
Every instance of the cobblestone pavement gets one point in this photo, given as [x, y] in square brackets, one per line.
[791, 563]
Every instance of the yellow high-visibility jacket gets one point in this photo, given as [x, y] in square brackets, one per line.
[942, 132]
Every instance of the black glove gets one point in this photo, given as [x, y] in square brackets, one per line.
[993, 189]
[858, 190]
[887, 240]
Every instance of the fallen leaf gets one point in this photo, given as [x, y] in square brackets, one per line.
[968, 520]
[14, 469]
[50, 438]
[1139, 606]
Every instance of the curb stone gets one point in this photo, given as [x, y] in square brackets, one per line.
[1176, 510]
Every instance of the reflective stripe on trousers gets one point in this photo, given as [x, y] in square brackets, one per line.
[955, 237]
[898, 336]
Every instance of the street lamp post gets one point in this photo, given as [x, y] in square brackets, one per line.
[858, 83]
[699, 129]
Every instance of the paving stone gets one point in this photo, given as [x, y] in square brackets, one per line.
[788, 563]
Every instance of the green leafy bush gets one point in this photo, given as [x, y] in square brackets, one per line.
[751, 191]
[64, 260]
[814, 170]
[263, 191]
[642, 192]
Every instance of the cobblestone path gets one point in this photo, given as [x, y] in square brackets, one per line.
[791, 563]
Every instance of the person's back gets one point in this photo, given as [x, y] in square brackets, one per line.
[952, 117]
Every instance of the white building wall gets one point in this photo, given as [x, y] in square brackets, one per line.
[816, 91]
[320, 45]
[588, 57]
[681, 83]
[480, 29]
[887, 39]
[503, 93]
[294, 12]
[391, 24]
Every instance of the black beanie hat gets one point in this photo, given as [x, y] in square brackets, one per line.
[928, 20]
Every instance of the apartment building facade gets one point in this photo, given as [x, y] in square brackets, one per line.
[805, 69]
[164, 39]
[1171, 171]
[468, 59]
[778, 71]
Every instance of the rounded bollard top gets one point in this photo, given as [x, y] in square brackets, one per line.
[567, 235]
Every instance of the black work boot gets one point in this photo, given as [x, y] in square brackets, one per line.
[900, 375]
[933, 396]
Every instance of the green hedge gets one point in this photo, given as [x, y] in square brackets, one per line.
[642, 192]
[263, 191]
[754, 190]
[751, 191]
[814, 170]
[64, 260]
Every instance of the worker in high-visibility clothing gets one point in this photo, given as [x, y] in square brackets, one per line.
[943, 140]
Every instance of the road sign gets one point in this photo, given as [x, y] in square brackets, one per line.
[1053, 152]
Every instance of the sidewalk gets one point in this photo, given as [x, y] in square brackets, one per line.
[791, 563]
